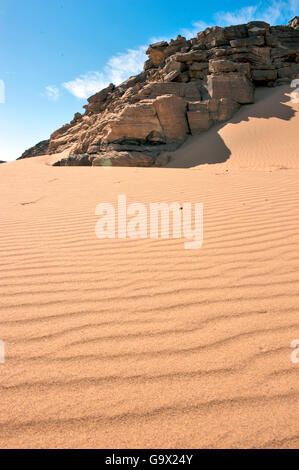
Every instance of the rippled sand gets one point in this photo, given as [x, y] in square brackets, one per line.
[141, 343]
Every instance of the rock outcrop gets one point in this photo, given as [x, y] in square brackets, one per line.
[41, 148]
[186, 87]
[294, 23]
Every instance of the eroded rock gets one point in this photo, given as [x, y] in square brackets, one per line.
[203, 114]
[232, 85]
[41, 148]
[185, 87]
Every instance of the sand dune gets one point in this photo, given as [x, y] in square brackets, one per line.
[140, 343]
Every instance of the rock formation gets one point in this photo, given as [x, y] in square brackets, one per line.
[186, 87]
[2, 161]
[41, 148]
[294, 23]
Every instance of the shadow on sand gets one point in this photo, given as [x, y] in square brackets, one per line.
[209, 147]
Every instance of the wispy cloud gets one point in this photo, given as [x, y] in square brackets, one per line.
[52, 92]
[117, 70]
[196, 27]
[273, 12]
[155, 39]
[87, 84]
[244, 15]
[121, 66]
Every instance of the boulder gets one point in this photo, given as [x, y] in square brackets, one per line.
[251, 55]
[137, 122]
[122, 159]
[199, 66]
[287, 36]
[259, 55]
[156, 52]
[199, 121]
[226, 108]
[232, 85]
[191, 56]
[209, 35]
[189, 91]
[203, 114]
[220, 52]
[219, 42]
[96, 102]
[283, 52]
[74, 160]
[257, 28]
[235, 32]
[171, 111]
[152, 121]
[159, 51]
[173, 76]
[290, 71]
[264, 75]
[172, 65]
[225, 65]
[245, 42]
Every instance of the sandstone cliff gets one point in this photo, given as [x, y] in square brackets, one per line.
[186, 87]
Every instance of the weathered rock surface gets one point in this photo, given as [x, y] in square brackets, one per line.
[41, 148]
[203, 114]
[186, 87]
[294, 23]
[232, 85]
[74, 160]
[264, 75]
[114, 158]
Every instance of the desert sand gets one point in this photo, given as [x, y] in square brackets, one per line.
[140, 343]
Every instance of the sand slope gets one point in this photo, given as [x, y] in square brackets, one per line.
[140, 343]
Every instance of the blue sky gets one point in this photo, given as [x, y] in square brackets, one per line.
[56, 53]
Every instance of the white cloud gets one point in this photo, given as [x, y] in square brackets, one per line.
[121, 66]
[197, 26]
[117, 70]
[273, 12]
[244, 15]
[52, 92]
[155, 39]
[87, 84]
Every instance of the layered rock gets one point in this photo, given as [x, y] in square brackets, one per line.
[186, 87]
